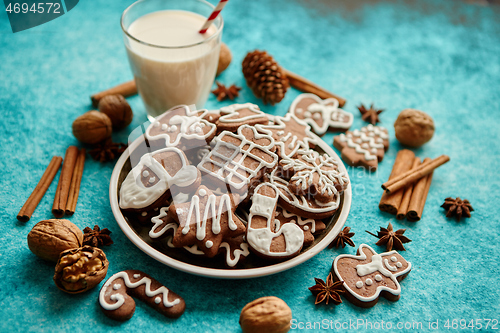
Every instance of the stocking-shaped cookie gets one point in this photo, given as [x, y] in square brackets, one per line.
[369, 275]
[365, 147]
[158, 175]
[206, 221]
[264, 236]
[321, 114]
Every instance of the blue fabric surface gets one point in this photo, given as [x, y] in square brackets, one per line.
[440, 56]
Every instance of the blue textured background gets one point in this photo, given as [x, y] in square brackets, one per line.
[442, 57]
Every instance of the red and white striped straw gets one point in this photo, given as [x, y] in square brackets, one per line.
[213, 16]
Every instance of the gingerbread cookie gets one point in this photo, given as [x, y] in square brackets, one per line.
[266, 237]
[309, 226]
[117, 304]
[235, 249]
[321, 114]
[151, 182]
[206, 221]
[237, 159]
[236, 115]
[181, 126]
[300, 204]
[365, 147]
[315, 175]
[289, 134]
[369, 275]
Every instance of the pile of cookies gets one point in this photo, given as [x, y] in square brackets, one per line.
[231, 182]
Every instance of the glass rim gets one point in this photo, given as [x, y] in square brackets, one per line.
[217, 33]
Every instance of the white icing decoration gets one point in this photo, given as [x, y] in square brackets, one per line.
[209, 213]
[300, 220]
[152, 179]
[230, 165]
[230, 114]
[394, 259]
[133, 193]
[172, 129]
[145, 173]
[209, 244]
[144, 214]
[367, 144]
[280, 132]
[374, 266]
[306, 227]
[261, 239]
[369, 282]
[157, 299]
[327, 109]
[306, 168]
[202, 192]
[117, 286]
[399, 265]
[156, 124]
[120, 299]
[136, 276]
[359, 284]
[184, 118]
[164, 127]
[237, 253]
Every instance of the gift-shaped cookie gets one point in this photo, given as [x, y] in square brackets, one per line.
[365, 147]
[236, 115]
[181, 126]
[321, 114]
[156, 177]
[315, 175]
[369, 275]
[238, 159]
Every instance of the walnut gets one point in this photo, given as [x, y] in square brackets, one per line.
[92, 127]
[225, 58]
[266, 314]
[117, 109]
[80, 269]
[414, 127]
[49, 238]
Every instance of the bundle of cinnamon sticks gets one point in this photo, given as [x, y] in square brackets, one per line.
[405, 193]
[68, 186]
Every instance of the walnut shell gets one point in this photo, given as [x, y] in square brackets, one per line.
[117, 109]
[92, 127]
[225, 58]
[49, 238]
[413, 127]
[80, 269]
[266, 314]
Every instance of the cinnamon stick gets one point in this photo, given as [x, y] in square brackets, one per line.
[412, 176]
[36, 196]
[418, 198]
[62, 193]
[390, 202]
[405, 202]
[74, 189]
[125, 89]
[304, 85]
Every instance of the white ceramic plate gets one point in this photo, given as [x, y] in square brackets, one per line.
[322, 241]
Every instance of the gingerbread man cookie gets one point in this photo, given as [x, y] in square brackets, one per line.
[321, 114]
[117, 304]
[236, 115]
[151, 182]
[315, 175]
[266, 237]
[206, 221]
[369, 275]
[365, 147]
[181, 126]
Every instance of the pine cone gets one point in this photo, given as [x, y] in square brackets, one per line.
[265, 77]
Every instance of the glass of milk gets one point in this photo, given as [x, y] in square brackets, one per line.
[171, 61]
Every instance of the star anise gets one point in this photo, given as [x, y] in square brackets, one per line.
[343, 238]
[457, 207]
[222, 92]
[96, 237]
[327, 291]
[370, 115]
[391, 238]
[107, 151]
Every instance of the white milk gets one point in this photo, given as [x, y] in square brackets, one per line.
[173, 70]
